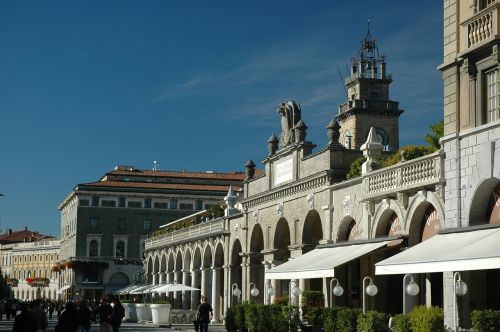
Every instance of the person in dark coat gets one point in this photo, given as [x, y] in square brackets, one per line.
[205, 312]
[84, 316]
[68, 321]
[24, 322]
[105, 310]
[117, 314]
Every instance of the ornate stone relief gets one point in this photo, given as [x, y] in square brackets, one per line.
[236, 229]
[310, 201]
[255, 216]
[279, 210]
[346, 203]
[403, 200]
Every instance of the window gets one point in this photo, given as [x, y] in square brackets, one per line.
[120, 249]
[186, 206]
[95, 200]
[147, 225]
[161, 205]
[147, 203]
[492, 95]
[84, 202]
[94, 223]
[120, 224]
[121, 201]
[108, 203]
[485, 3]
[347, 139]
[199, 204]
[93, 248]
[173, 203]
[133, 204]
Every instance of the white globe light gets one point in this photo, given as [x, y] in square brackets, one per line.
[412, 289]
[271, 291]
[296, 291]
[237, 292]
[461, 288]
[254, 292]
[371, 289]
[338, 290]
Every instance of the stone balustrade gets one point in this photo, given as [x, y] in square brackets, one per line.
[482, 26]
[407, 175]
[204, 229]
[369, 104]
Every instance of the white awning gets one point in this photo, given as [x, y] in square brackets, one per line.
[461, 251]
[320, 262]
[63, 288]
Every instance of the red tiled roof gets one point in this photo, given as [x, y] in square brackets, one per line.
[24, 235]
[149, 185]
[175, 174]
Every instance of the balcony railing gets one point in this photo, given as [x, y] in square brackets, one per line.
[412, 174]
[483, 26]
[205, 229]
[387, 105]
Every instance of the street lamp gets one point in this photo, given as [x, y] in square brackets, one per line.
[337, 290]
[370, 290]
[411, 289]
[459, 289]
[295, 291]
[235, 290]
[270, 291]
[254, 290]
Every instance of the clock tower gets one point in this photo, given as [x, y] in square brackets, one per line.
[368, 102]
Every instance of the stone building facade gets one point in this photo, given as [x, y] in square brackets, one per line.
[104, 224]
[471, 143]
[303, 202]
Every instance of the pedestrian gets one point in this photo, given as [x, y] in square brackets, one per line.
[51, 309]
[24, 322]
[84, 316]
[117, 314]
[205, 313]
[39, 316]
[68, 320]
[8, 309]
[105, 310]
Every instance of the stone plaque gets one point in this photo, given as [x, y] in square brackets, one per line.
[283, 171]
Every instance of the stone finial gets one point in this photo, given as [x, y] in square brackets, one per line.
[333, 131]
[372, 150]
[300, 131]
[272, 144]
[250, 169]
[230, 200]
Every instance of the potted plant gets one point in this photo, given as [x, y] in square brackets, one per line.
[160, 312]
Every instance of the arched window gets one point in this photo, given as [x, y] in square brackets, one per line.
[93, 248]
[120, 249]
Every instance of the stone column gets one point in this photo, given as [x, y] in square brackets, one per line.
[177, 295]
[266, 297]
[204, 282]
[185, 297]
[303, 285]
[195, 295]
[215, 293]
[163, 277]
[244, 278]
[227, 287]
[156, 278]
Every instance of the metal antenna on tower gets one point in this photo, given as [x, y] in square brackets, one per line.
[342, 81]
[156, 165]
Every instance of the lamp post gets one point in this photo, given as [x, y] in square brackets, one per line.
[295, 291]
[236, 291]
[459, 289]
[270, 291]
[337, 290]
[412, 289]
[370, 290]
[254, 291]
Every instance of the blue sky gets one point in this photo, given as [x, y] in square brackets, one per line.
[87, 85]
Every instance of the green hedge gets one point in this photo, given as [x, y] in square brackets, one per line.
[373, 321]
[424, 319]
[401, 323]
[253, 317]
[330, 319]
[485, 320]
[347, 319]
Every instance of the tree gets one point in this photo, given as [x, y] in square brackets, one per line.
[437, 131]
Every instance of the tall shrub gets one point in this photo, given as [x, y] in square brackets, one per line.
[424, 319]
[229, 320]
[373, 321]
[347, 319]
[330, 319]
[485, 320]
[252, 318]
[401, 323]
[291, 315]
[239, 317]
